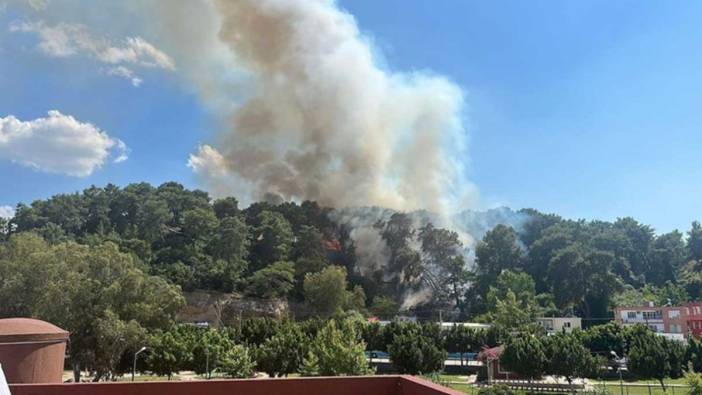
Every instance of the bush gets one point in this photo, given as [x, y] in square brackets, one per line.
[338, 351]
[237, 363]
[694, 380]
[412, 353]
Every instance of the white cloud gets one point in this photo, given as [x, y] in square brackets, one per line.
[137, 51]
[7, 212]
[67, 39]
[58, 144]
[121, 71]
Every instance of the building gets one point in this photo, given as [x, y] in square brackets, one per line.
[559, 324]
[673, 322]
[694, 319]
[470, 325]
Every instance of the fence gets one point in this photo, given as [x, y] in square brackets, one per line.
[642, 389]
[596, 387]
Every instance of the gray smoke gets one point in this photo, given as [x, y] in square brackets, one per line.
[321, 120]
[303, 108]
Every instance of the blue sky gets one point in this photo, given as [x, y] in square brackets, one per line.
[585, 109]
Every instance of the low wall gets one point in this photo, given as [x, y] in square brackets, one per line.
[368, 385]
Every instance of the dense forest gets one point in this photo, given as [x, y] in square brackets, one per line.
[111, 264]
[540, 264]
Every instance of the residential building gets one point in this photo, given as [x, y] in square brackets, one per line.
[471, 325]
[559, 324]
[694, 319]
[672, 322]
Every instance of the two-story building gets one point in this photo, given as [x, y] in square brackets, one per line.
[669, 321]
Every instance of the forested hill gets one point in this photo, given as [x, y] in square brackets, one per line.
[373, 260]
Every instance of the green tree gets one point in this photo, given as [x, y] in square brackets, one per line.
[255, 331]
[511, 301]
[603, 339]
[283, 353]
[384, 307]
[339, 351]
[677, 358]
[497, 251]
[648, 355]
[568, 357]
[578, 277]
[509, 312]
[237, 362]
[525, 355]
[272, 239]
[442, 252]
[693, 353]
[412, 353]
[694, 242]
[169, 353]
[310, 365]
[210, 351]
[325, 292]
[227, 207]
[665, 258]
[461, 339]
[94, 292]
[309, 243]
[274, 281]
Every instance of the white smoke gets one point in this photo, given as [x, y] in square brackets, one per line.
[302, 105]
[321, 120]
[304, 110]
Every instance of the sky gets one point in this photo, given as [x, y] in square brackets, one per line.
[585, 109]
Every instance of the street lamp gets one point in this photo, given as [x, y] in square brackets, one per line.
[620, 364]
[207, 363]
[136, 354]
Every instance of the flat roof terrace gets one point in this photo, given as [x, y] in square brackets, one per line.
[366, 385]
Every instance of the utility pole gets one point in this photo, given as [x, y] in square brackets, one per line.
[135, 360]
[620, 365]
[207, 363]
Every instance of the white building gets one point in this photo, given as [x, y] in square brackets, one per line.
[559, 324]
[471, 325]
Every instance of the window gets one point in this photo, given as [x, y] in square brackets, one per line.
[547, 324]
[673, 313]
[653, 328]
[566, 325]
[652, 315]
[631, 314]
[675, 328]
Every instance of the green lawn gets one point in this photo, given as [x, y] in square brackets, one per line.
[638, 387]
[644, 382]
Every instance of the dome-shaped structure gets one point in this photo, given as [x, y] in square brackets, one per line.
[32, 351]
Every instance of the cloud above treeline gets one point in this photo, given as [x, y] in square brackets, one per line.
[58, 144]
[121, 58]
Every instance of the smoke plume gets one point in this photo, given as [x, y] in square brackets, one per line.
[320, 119]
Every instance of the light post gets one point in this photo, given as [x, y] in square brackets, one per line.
[141, 350]
[620, 364]
[207, 363]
